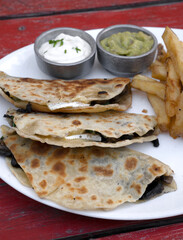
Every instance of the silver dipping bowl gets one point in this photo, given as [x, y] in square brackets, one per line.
[65, 70]
[124, 66]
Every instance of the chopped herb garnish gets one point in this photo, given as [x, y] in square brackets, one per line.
[77, 49]
[54, 42]
[65, 51]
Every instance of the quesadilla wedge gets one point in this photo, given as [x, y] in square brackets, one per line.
[85, 95]
[107, 129]
[88, 178]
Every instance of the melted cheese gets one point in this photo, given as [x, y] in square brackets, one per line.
[54, 106]
[89, 137]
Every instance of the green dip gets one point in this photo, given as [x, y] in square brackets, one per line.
[128, 43]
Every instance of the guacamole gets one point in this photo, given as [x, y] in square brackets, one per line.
[128, 43]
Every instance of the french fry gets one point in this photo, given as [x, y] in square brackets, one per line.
[175, 50]
[159, 108]
[173, 89]
[158, 70]
[162, 54]
[176, 127]
[148, 85]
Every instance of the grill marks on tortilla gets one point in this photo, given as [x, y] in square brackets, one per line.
[59, 168]
[56, 159]
[111, 128]
[131, 163]
[156, 170]
[58, 180]
[106, 171]
[52, 86]
[137, 188]
[82, 190]
[35, 163]
[40, 148]
[76, 122]
[42, 93]
[79, 179]
[43, 184]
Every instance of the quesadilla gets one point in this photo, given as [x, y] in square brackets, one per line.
[84, 95]
[88, 178]
[106, 129]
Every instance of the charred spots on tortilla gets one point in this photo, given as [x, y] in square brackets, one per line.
[102, 93]
[113, 100]
[156, 142]
[118, 86]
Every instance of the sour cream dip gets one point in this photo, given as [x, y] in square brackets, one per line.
[65, 49]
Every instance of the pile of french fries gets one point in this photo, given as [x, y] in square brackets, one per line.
[164, 89]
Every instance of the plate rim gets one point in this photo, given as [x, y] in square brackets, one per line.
[54, 205]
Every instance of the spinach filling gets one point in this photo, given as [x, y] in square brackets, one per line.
[114, 100]
[7, 153]
[156, 187]
[123, 137]
[28, 108]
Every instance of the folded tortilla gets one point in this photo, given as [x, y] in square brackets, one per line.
[85, 95]
[88, 178]
[107, 129]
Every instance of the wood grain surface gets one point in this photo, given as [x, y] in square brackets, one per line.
[173, 232]
[25, 218]
[24, 31]
[38, 7]
[20, 23]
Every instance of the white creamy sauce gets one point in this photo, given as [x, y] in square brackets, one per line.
[89, 137]
[54, 106]
[65, 49]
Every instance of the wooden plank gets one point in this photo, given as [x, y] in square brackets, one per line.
[9, 7]
[25, 31]
[25, 217]
[174, 232]
[21, 216]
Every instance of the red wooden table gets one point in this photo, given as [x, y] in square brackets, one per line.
[20, 23]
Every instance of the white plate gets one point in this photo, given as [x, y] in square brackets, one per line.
[22, 63]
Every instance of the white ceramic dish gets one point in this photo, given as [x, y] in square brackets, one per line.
[22, 63]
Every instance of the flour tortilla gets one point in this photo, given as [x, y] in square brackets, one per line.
[116, 128]
[86, 178]
[41, 93]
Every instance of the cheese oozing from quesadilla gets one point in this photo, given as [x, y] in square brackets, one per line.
[89, 137]
[54, 106]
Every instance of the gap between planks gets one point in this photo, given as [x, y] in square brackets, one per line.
[104, 8]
